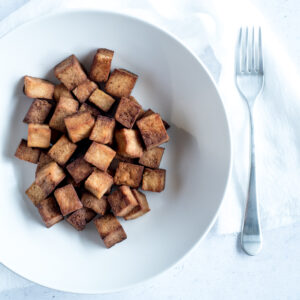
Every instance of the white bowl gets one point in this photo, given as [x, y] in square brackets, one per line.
[173, 82]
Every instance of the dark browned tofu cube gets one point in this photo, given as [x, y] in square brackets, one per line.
[44, 159]
[98, 183]
[27, 153]
[142, 207]
[83, 91]
[36, 194]
[100, 156]
[110, 230]
[102, 100]
[120, 83]
[103, 131]
[128, 174]
[127, 112]
[70, 72]
[67, 199]
[79, 169]
[38, 88]
[49, 211]
[79, 126]
[39, 136]
[154, 180]
[64, 108]
[149, 112]
[61, 91]
[153, 131]
[38, 112]
[129, 143]
[122, 201]
[152, 158]
[77, 219]
[92, 110]
[101, 65]
[97, 205]
[62, 150]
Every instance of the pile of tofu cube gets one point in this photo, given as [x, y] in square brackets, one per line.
[94, 146]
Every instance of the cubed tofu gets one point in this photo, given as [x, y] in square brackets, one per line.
[128, 174]
[149, 112]
[103, 131]
[120, 83]
[44, 159]
[49, 211]
[83, 91]
[152, 158]
[39, 135]
[70, 72]
[129, 143]
[100, 156]
[77, 219]
[61, 91]
[142, 207]
[67, 199]
[38, 112]
[97, 205]
[92, 110]
[122, 201]
[35, 193]
[79, 126]
[110, 230]
[62, 150]
[38, 88]
[102, 100]
[27, 153]
[79, 169]
[153, 131]
[98, 183]
[115, 162]
[135, 101]
[154, 180]
[127, 112]
[64, 108]
[101, 65]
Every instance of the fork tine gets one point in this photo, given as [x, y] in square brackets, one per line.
[260, 54]
[252, 66]
[244, 51]
[238, 53]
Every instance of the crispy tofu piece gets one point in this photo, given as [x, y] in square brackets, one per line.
[49, 211]
[92, 110]
[55, 136]
[129, 143]
[64, 108]
[120, 83]
[153, 131]
[115, 162]
[142, 207]
[100, 156]
[97, 205]
[154, 180]
[127, 112]
[44, 159]
[38, 112]
[70, 72]
[101, 65]
[39, 135]
[62, 150]
[35, 193]
[77, 219]
[103, 131]
[61, 91]
[98, 183]
[110, 230]
[67, 199]
[152, 158]
[27, 153]
[102, 100]
[79, 169]
[135, 101]
[79, 125]
[122, 201]
[38, 88]
[128, 174]
[83, 91]
[149, 112]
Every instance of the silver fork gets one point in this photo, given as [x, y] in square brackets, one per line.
[250, 82]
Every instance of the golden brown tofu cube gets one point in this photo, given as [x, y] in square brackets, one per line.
[36, 194]
[129, 143]
[100, 156]
[77, 219]
[152, 130]
[101, 65]
[127, 112]
[38, 88]
[62, 150]
[79, 126]
[49, 211]
[79, 169]
[83, 91]
[61, 91]
[64, 108]
[44, 159]
[110, 230]
[141, 209]
[97, 205]
[103, 131]
[38, 112]
[128, 174]
[70, 72]
[120, 83]
[154, 180]
[67, 199]
[92, 110]
[27, 153]
[149, 112]
[102, 100]
[39, 135]
[152, 158]
[98, 183]
[122, 201]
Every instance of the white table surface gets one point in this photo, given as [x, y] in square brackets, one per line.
[217, 268]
